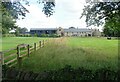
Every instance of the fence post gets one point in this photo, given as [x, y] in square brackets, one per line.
[34, 46]
[19, 59]
[28, 50]
[40, 43]
[20, 62]
[2, 58]
[18, 52]
[43, 43]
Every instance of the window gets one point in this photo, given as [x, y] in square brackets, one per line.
[54, 31]
[31, 30]
[59, 29]
[46, 32]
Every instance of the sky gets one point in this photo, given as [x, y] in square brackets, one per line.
[67, 14]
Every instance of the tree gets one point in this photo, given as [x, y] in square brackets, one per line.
[16, 8]
[23, 30]
[48, 8]
[100, 13]
[20, 30]
[8, 23]
[17, 33]
[13, 10]
[111, 27]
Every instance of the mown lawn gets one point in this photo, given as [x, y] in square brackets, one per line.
[89, 53]
[12, 42]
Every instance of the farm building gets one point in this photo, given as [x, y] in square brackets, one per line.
[40, 31]
[77, 32]
[72, 31]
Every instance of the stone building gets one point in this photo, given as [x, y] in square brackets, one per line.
[77, 32]
[72, 31]
[49, 31]
[96, 32]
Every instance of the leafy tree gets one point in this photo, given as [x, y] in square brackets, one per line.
[16, 9]
[23, 30]
[48, 8]
[107, 13]
[20, 30]
[8, 23]
[13, 10]
[112, 27]
[17, 31]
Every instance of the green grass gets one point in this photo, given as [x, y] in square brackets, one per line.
[12, 42]
[89, 53]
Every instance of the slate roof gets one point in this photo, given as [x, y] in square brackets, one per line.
[65, 30]
[77, 30]
[43, 29]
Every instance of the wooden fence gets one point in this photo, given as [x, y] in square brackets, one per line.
[16, 55]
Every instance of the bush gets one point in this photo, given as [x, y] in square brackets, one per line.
[35, 35]
[25, 35]
[109, 38]
[44, 35]
[66, 73]
[8, 35]
[53, 35]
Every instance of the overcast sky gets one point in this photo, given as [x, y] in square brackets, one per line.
[67, 13]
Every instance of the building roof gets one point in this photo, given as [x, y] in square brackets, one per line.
[65, 30]
[77, 30]
[43, 29]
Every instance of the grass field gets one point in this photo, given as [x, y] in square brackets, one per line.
[12, 42]
[89, 53]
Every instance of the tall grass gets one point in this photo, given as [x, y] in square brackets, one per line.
[89, 53]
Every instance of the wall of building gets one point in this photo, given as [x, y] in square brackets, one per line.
[60, 31]
[39, 32]
[81, 34]
[96, 32]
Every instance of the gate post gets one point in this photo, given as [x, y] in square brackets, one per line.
[34, 46]
[28, 50]
[40, 43]
[2, 58]
[19, 59]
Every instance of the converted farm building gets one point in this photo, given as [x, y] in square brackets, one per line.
[77, 32]
[49, 31]
[66, 32]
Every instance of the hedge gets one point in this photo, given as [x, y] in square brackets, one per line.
[66, 73]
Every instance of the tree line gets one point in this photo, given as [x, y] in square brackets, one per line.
[13, 11]
[96, 13]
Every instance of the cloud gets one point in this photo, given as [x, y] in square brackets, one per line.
[70, 5]
[36, 18]
[67, 13]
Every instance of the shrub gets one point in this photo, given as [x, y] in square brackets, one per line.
[43, 35]
[53, 35]
[35, 35]
[66, 73]
[8, 35]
